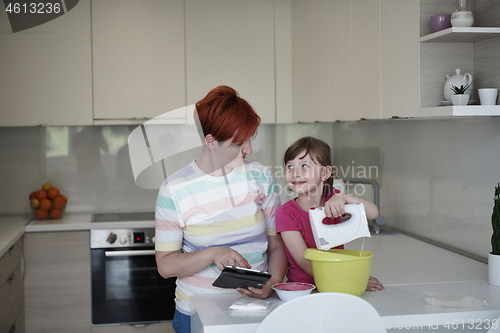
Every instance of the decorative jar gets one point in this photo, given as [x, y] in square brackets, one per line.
[462, 16]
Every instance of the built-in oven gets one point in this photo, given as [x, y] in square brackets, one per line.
[126, 285]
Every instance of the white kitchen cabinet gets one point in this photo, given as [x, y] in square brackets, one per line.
[336, 60]
[473, 50]
[364, 82]
[57, 282]
[283, 60]
[138, 60]
[311, 35]
[11, 290]
[46, 71]
[232, 43]
[399, 78]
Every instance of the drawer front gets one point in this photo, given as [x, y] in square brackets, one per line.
[11, 304]
[9, 261]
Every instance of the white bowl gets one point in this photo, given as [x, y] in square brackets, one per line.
[290, 290]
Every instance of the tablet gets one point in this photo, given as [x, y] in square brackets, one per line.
[236, 277]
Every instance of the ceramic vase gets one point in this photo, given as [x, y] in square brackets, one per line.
[494, 269]
[459, 99]
[462, 17]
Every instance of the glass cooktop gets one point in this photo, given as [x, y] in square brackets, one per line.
[123, 217]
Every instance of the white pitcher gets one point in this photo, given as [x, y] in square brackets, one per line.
[457, 80]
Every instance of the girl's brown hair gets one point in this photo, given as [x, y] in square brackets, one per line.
[318, 150]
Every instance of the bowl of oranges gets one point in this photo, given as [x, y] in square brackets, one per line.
[47, 202]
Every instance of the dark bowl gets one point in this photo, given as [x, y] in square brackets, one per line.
[440, 22]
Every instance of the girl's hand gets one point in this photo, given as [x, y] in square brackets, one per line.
[335, 207]
[374, 284]
[225, 256]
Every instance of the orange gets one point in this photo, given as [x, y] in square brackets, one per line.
[33, 195]
[34, 202]
[53, 192]
[55, 213]
[45, 204]
[41, 214]
[41, 194]
[64, 198]
[46, 186]
[58, 202]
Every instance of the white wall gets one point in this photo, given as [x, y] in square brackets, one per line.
[437, 177]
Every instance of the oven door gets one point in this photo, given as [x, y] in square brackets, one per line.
[127, 288]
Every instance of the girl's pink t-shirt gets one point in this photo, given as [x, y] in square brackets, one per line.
[290, 217]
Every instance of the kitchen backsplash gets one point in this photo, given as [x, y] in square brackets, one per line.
[91, 165]
[436, 177]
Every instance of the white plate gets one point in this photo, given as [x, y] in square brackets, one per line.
[448, 103]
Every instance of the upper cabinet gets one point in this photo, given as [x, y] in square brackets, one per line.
[399, 69]
[46, 71]
[321, 59]
[473, 50]
[354, 59]
[127, 61]
[232, 43]
[138, 60]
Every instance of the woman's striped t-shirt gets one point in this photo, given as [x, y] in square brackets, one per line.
[195, 210]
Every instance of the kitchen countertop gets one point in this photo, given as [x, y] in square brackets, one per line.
[13, 228]
[409, 270]
[401, 306]
[75, 222]
[422, 262]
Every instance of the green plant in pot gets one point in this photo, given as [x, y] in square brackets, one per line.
[460, 97]
[494, 256]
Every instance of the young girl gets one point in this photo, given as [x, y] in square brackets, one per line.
[308, 173]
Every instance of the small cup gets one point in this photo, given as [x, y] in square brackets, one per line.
[440, 22]
[488, 96]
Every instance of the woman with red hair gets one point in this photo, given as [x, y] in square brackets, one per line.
[220, 209]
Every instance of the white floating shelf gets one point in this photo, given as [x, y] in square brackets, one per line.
[460, 111]
[461, 35]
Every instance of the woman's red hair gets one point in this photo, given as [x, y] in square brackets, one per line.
[223, 113]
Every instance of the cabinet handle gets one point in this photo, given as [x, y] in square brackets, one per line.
[140, 325]
[11, 277]
[131, 253]
[13, 328]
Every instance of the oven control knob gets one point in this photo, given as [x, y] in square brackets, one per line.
[111, 238]
[123, 240]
